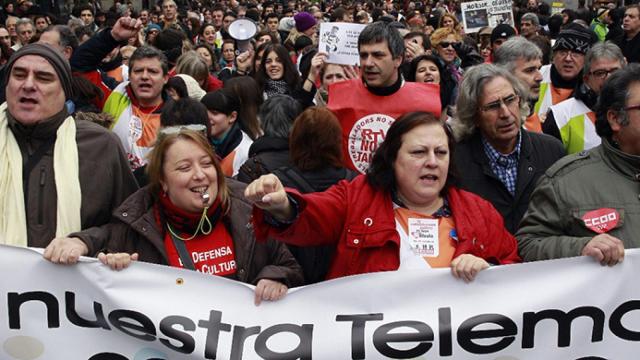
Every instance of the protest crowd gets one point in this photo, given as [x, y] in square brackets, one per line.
[162, 134]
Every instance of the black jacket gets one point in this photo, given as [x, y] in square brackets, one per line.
[315, 260]
[630, 48]
[537, 153]
[266, 154]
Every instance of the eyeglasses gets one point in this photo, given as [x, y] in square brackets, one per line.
[446, 44]
[600, 74]
[633, 107]
[170, 130]
[563, 53]
[495, 106]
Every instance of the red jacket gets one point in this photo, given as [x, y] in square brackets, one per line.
[360, 221]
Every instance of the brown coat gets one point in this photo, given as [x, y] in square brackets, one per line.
[105, 177]
[134, 229]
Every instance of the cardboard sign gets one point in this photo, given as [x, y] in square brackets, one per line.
[478, 14]
[340, 42]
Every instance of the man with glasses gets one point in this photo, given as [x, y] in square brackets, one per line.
[630, 42]
[561, 77]
[523, 59]
[502, 162]
[573, 120]
[587, 203]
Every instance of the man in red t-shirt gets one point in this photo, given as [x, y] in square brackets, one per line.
[367, 107]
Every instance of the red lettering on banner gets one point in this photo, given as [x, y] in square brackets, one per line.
[601, 220]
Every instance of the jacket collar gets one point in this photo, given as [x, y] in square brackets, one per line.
[628, 165]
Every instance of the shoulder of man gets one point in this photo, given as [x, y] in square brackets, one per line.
[569, 163]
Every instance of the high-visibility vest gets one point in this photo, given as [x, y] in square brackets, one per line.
[576, 123]
[549, 94]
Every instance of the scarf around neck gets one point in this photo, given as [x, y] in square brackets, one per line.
[13, 220]
[276, 87]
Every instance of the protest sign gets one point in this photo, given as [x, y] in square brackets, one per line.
[340, 42]
[561, 309]
[478, 14]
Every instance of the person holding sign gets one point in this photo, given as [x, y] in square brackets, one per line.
[366, 107]
[404, 214]
[189, 216]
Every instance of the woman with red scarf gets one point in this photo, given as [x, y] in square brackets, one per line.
[189, 216]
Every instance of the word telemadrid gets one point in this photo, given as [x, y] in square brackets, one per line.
[177, 332]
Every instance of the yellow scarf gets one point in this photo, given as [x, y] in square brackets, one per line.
[13, 221]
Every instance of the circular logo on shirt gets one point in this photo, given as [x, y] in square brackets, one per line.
[365, 136]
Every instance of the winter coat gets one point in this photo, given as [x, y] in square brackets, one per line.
[537, 153]
[359, 221]
[134, 229]
[105, 178]
[572, 199]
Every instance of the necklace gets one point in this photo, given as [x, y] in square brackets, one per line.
[204, 221]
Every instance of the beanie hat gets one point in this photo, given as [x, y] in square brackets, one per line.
[53, 56]
[575, 37]
[304, 21]
[193, 88]
[151, 27]
[502, 31]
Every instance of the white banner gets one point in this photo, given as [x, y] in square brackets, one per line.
[478, 14]
[565, 309]
[340, 42]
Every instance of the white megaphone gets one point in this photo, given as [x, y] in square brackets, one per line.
[243, 30]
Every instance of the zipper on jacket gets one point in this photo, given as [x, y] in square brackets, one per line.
[41, 196]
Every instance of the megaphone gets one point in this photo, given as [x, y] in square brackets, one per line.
[243, 30]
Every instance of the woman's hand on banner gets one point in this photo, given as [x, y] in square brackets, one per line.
[117, 261]
[467, 266]
[269, 290]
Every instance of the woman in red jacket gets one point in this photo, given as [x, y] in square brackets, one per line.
[405, 213]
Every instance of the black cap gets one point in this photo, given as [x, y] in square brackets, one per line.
[502, 31]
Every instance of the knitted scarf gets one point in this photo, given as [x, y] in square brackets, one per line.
[276, 87]
[13, 221]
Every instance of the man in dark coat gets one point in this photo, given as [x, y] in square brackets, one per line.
[497, 158]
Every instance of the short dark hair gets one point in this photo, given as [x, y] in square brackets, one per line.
[185, 111]
[380, 174]
[149, 52]
[378, 32]
[613, 96]
[316, 140]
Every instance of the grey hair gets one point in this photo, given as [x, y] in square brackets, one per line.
[514, 49]
[380, 31]
[24, 21]
[602, 50]
[530, 17]
[277, 115]
[471, 91]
